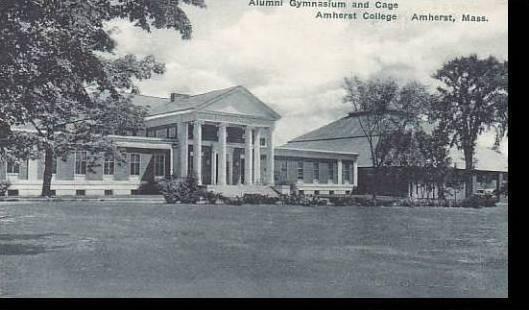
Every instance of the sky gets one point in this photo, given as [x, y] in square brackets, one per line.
[296, 63]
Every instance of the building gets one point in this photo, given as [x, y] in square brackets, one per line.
[346, 135]
[224, 137]
[315, 172]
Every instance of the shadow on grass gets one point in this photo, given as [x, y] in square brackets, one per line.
[13, 237]
[21, 249]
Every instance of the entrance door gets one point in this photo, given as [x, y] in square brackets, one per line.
[241, 170]
[206, 165]
[238, 167]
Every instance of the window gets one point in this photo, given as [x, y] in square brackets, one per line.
[161, 133]
[331, 171]
[80, 162]
[109, 192]
[262, 142]
[346, 172]
[108, 167]
[300, 170]
[13, 167]
[12, 192]
[284, 166]
[134, 164]
[172, 133]
[159, 165]
[80, 192]
[190, 131]
[316, 170]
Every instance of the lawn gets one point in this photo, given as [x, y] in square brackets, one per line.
[113, 249]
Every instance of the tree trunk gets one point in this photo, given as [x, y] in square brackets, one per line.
[469, 170]
[374, 184]
[48, 172]
[441, 191]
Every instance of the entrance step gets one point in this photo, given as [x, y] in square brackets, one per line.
[240, 190]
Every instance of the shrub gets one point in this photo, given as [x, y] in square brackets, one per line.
[4, 186]
[423, 203]
[343, 201]
[169, 189]
[406, 202]
[300, 200]
[213, 197]
[185, 191]
[237, 201]
[259, 199]
[295, 200]
[478, 201]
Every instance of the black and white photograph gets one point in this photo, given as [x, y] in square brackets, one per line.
[254, 149]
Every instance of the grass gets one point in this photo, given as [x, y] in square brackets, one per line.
[116, 249]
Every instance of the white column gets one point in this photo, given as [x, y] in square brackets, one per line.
[257, 157]
[340, 172]
[248, 156]
[355, 173]
[222, 154]
[183, 148]
[213, 166]
[270, 157]
[171, 161]
[197, 150]
[230, 170]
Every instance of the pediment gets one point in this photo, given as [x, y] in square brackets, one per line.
[241, 102]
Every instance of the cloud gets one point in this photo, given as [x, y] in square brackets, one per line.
[296, 63]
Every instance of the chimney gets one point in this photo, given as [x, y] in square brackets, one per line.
[175, 96]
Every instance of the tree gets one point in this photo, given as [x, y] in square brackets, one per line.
[60, 77]
[433, 166]
[387, 115]
[473, 98]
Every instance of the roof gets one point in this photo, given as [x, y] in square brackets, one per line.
[346, 135]
[158, 105]
[357, 145]
[283, 151]
[346, 127]
[342, 128]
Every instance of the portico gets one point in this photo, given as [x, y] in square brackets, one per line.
[225, 140]
[223, 158]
